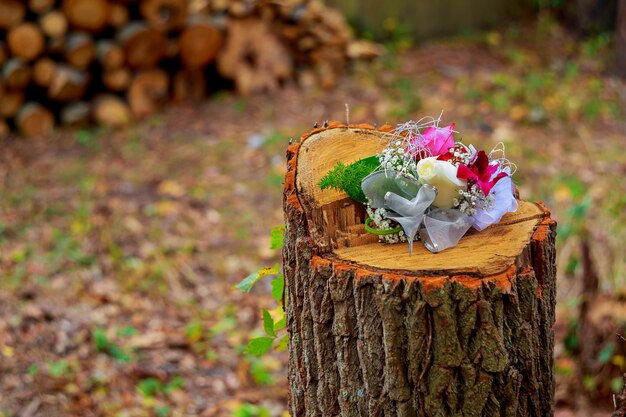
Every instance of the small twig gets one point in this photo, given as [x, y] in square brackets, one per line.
[620, 404]
[347, 115]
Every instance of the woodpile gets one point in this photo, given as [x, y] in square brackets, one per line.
[74, 62]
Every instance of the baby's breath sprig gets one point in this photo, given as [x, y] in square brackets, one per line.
[379, 217]
[471, 199]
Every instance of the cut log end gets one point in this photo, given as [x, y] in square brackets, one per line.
[110, 55]
[118, 15]
[453, 333]
[43, 72]
[40, 6]
[254, 57]
[26, 41]
[199, 43]
[12, 13]
[89, 15]
[117, 80]
[80, 50]
[165, 15]
[337, 222]
[77, 114]
[110, 110]
[16, 74]
[10, 103]
[148, 92]
[35, 120]
[53, 24]
[143, 46]
[68, 84]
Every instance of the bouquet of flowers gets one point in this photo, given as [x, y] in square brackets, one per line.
[424, 185]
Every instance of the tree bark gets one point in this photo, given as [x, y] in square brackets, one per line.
[189, 85]
[4, 54]
[110, 55]
[80, 50]
[16, 74]
[5, 131]
[620, 38]
[376, 332]
[68, 84]
[77, 114]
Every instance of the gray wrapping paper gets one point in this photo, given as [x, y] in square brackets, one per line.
[409, 204]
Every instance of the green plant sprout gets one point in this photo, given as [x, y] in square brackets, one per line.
[276, 335]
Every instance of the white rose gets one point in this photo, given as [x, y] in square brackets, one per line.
[440, 174]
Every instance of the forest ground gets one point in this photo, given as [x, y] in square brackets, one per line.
[118, 249]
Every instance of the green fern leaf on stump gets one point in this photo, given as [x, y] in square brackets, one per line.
[348, 178]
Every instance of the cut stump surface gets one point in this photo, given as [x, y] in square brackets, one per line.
[378, 332]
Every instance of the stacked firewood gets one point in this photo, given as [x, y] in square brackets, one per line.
[112, 61]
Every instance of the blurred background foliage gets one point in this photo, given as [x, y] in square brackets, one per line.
[119, 247]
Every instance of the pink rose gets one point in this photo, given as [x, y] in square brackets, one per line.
[434, 141]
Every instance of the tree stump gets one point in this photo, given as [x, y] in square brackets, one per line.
[375, 331]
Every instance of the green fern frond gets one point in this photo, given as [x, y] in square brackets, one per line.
[348, 178]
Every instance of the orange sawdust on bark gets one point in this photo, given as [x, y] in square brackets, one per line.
[502, 281]
[319, 262]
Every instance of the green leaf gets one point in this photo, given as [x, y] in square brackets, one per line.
[578, 211]
[276, 237]
[149, 387]
[248, 282]
[250, 410]
[259, 346]
[100, 339]
[590, 383]
[268, 323]
[282, 343]
[348, 178]
[280, 324]
[605, 355]
[162, 411]
[194, 331]
[278, 286]
[58, 369]
[127, 331]
[103, 344]
[617, 384]
[119, 354]
[33, 369]
[261, 373]
[176, 383]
